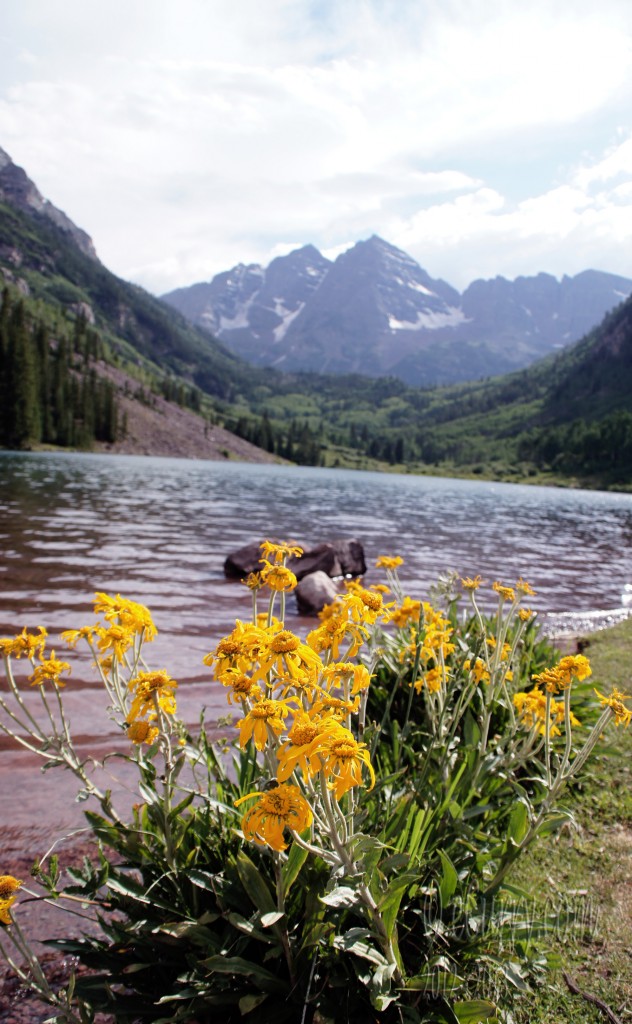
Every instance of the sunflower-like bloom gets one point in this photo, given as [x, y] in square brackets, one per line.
[432, 679]
[525, 588]
[24, 644]
[343, 759]
[286, 654]
[300, 750]
[264, 714]
[405, 614]
[73, 636]
[8, 888]
[239, 650]
[360, 604]
[50, 670]
[531, 708]
[506, 593]
[325, 704]
[337, 673]
[242, 686]
[471, 583]
[622, 715]
[561, 675]
[277, 552]
[334, 631]
[117, 639]
[134, 617]
[389, 562]
[524, 614]
[478, 669]
[150, 688]
[142, 731]
[278, 577]
[276, 809]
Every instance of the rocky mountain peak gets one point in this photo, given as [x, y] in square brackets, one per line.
[17, 189]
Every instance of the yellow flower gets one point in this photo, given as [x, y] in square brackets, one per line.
[239, 650]
[432, 680]
[524, 614]
[479, 670]
[531, 708]
[265, 713]
[339, 672]
[506, 593]
[338, 707]
[279, 551]
[622, 715]
[333, 631]
[276, 809]
[575, 665]
[388, 562]
[150, 688]
[253, 581]
[471, 584]
[286, 654]
[117, 639]
[405, 614]
[142, 731]
[343, 758]
[279, 578]
[72, 636]
[134, 617]
[525, 588]
[301, 747]
[24, 644]
[49, 669]
[8, 888]
[242, 686]
[561, 676]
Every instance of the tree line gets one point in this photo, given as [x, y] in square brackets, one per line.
[50, 391]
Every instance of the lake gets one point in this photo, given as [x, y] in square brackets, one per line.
[158, 531]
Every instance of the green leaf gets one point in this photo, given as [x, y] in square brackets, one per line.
[267, 920]
[518, 822]
[356, 941]
[237, 965]
[295, 860]
[254, 884]
[474, 1011]
[435, 982]
[248, 1003]
[341, 896]
[449, 879]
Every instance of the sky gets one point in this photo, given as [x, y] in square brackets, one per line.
[482, 137]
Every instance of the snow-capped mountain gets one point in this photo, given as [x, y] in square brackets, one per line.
[375, 311]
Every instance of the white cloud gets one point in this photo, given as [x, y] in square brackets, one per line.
[187, 139]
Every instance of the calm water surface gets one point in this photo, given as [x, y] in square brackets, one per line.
[158, 530]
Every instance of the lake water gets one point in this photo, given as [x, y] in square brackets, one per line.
[158, 530]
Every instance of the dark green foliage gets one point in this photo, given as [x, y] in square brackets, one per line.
[51, 392]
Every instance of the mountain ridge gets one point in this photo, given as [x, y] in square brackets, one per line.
[374, 310]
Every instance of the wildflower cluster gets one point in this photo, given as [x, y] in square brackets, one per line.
[303, 705]
[387, 771]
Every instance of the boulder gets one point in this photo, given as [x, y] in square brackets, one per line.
[243, 561]
[314, 592]
[350, 556]
[338, 558]
[322, 558]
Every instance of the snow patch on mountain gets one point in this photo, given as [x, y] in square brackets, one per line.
[429, 320]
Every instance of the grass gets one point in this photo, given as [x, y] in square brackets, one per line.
[591, 867]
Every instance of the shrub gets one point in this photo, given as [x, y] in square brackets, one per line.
[343, 858]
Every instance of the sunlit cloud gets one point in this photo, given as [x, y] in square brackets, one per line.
[187, 140]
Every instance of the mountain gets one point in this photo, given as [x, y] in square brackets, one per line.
[375, 311]
[17, 189]
[48, 258]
